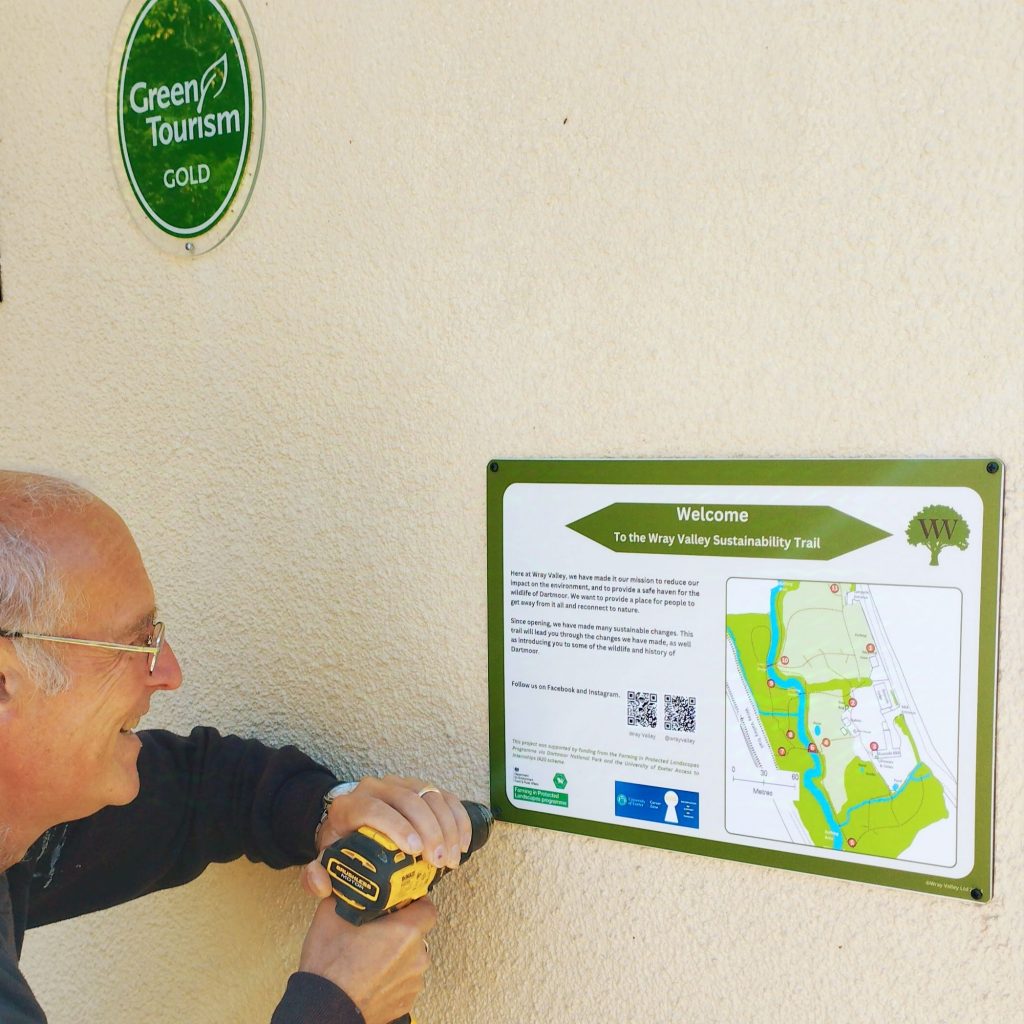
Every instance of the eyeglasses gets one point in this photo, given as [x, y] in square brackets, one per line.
[152, 647]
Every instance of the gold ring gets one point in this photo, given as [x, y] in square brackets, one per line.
[428, 789]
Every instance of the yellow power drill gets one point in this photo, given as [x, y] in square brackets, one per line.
[371, 876]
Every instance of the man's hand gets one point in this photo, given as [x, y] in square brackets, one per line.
[380, 965]
[434, 825]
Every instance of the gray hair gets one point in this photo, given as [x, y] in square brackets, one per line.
[32, 595]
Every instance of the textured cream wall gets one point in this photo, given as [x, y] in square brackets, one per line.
[529, 229]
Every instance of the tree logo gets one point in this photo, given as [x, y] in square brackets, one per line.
[937, 527]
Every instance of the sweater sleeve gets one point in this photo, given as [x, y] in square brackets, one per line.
[310, 999]
[203, 799]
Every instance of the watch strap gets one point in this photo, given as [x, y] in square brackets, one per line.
[339, 789]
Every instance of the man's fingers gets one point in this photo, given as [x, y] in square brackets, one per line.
[400, 826]
[394, 803]
[420, 916]
[434, 824]
[465, 826]
[449, 851]
[316, 880]
[457, 829]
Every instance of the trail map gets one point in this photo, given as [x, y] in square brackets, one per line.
[831, 742]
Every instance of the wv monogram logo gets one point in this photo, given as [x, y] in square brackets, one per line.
[937, 527]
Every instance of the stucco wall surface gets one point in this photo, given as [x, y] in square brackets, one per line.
[534, 229]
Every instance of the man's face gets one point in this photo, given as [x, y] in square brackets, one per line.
[76, 751]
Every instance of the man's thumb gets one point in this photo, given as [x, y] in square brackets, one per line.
[316, 880]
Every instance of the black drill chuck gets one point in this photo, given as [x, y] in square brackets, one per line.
[481, 819]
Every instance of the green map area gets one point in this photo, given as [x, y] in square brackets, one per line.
[830, 720]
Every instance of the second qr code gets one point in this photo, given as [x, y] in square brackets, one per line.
[680, 713]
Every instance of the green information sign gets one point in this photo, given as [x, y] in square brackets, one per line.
[188, 111]
[785, 663]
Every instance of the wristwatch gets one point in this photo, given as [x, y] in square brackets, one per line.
[340, 789]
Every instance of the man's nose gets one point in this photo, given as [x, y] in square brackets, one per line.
[167, 674]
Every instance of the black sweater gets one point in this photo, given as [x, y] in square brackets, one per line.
[203, 799]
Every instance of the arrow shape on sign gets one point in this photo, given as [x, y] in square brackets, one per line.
[813, 532]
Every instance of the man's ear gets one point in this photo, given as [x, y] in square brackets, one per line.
[12, 673]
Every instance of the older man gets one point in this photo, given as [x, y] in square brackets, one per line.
[93, 814]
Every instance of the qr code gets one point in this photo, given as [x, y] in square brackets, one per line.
[642, 709]
[680, 713]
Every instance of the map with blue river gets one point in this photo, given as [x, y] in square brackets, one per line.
[831, 742]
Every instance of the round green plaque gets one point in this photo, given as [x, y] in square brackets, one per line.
[186, 92]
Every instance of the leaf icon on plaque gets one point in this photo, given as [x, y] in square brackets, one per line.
[217, 70]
